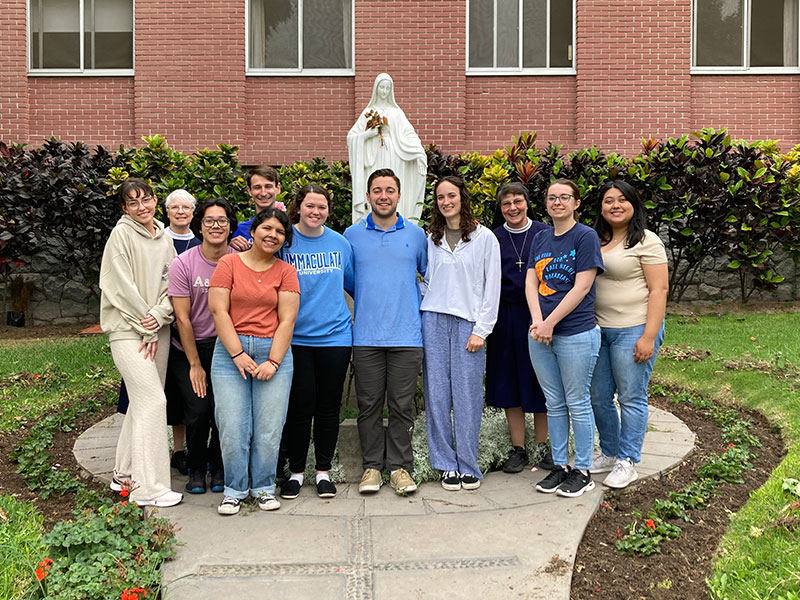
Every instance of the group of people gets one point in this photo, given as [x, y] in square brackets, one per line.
[560, 319]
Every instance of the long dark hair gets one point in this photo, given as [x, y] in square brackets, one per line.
[438, 222]
[638, 222]
[272, 212]
[311, 188]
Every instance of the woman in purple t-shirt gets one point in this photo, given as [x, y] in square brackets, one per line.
[564, 339]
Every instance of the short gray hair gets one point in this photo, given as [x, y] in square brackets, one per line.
[180, 194]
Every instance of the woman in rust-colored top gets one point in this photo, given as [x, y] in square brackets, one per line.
[253, 297]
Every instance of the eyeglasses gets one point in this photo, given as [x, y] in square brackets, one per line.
[210, 222]
[146, 200]
[564, 198]
[177, 207]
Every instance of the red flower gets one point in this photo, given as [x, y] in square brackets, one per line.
[134, 594]
[124, 502]
[619, 533]
[650, 523]
[731, 445]
[124, 492]
[44, 568]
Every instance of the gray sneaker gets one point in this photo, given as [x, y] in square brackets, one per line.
[602, 463]
[622, 475]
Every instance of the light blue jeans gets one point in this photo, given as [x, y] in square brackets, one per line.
[564, 370]
[250, 415]
[616, 371]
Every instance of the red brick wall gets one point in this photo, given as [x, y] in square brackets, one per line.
[13, 73]
[752, 107]
[499, 108]
[190, 83]
[633, 81]
[296, 118]
[421, 44]
[94, 110]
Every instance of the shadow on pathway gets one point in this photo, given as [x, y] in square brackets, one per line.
[501, 541]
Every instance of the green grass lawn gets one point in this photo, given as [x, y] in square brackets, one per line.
[757, 558]
[36, 376]
[20, 546]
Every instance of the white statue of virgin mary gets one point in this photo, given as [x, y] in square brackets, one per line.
[383, 138]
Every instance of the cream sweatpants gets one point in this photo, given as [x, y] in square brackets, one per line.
[143, 446]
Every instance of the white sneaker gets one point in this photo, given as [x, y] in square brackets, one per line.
[622, 475]
[163, 501]
[602, 463]
[229, 506]
[268, 502]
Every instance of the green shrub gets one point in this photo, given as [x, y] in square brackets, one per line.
[713, 199]
[108, 548]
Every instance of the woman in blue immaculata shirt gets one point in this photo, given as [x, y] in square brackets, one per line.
[322, 340]
[564, 338]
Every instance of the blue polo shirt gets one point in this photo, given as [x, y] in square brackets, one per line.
[386, 293]
[244, 230]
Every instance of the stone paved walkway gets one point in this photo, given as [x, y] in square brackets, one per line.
[502, 541]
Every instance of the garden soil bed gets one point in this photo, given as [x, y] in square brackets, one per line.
[55, 508]
[680, 570]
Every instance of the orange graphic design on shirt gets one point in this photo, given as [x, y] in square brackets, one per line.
[544, 290]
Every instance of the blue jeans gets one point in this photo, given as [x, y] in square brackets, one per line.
[250, 415]
[564, 370]
[616, 371]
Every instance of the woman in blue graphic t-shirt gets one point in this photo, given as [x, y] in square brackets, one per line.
[564, 338]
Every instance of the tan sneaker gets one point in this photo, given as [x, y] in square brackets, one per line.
[371, 481]
[402, 482]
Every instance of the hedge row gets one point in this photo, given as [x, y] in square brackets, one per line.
[708, 196]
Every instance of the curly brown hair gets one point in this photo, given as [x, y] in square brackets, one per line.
[438, 223]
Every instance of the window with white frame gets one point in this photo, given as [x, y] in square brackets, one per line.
[300, 36]
[76, 36]
[520, 36]
[745, 35]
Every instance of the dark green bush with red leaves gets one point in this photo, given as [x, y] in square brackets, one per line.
[720, 204]
[55, 197]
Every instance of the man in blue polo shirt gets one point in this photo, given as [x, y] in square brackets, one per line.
[387, 332]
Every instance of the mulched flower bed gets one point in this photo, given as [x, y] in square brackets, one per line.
[55, 508]
[680, 569]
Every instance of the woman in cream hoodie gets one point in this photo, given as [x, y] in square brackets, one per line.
[135, 311]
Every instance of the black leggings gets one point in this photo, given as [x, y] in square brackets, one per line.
[316, 394]
[198, 412]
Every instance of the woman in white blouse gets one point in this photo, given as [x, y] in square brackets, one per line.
[459, 310]
[630, 306]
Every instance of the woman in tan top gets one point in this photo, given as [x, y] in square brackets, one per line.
[630, 305]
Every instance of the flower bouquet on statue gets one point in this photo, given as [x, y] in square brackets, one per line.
[375, 121]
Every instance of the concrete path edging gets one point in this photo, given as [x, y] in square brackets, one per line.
[501, 541]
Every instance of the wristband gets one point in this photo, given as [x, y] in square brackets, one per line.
[274, 363]
[235, 355]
